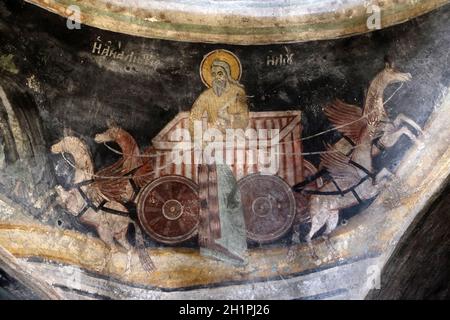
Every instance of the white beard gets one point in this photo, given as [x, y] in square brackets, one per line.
[219, 87]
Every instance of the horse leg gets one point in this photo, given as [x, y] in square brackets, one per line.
[383, 177]
[394, 188]
[316, 224]
[319, 215]
[107, 237]
[331, 224]
[121, 238]
[402, 118]
[296, 234]
[294, 240]
[390, 138]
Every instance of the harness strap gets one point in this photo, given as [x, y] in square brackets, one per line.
[376, 142]
[349, 140]
[116, 212]
[83, 211]
[337, 186]
[133, 183]
[356, 195]
[299, 186]
[366, 171]
[340, 192]
[136, 189]
[100, 207]
[86, 198]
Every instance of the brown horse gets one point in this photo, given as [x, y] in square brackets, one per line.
[352, 175]
[131, 159]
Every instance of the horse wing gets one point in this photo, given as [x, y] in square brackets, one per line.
[116, 169]
[338, 166]
[348, 119]
[111, 182]
[145, 174]
[114, 189]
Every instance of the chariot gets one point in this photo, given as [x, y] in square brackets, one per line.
[169, 206]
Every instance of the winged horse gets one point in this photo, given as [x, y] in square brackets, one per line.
[86, 200]
[352, 178]
[141, 165]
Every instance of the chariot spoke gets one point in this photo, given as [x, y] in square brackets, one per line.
[181, 192]
[168, 224]
[155, 221]
[175, 214]
[159, 197]
[152, 209]
[182, 225]
[169, 190]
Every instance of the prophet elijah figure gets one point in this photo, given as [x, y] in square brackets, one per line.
[225, 100]
[222, 231]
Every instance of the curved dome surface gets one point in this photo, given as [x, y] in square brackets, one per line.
[240, 22]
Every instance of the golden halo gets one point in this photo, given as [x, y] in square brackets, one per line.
[223, 55]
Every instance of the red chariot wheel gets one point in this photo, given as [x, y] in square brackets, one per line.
[168, 209]
[269, 207]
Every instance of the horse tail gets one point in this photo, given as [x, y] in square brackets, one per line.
[144, 257]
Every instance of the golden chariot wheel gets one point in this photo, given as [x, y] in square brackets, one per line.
[269, 207]
[168, 209]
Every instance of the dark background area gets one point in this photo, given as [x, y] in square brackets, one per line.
[420, 266]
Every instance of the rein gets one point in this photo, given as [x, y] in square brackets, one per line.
[340, 192]
[369, 175]
[101, 207]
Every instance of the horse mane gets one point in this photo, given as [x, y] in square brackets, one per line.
[125, 137]
[376, 87]
[130, 149]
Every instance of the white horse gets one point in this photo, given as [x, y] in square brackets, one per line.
[84, 200]
[352, 178]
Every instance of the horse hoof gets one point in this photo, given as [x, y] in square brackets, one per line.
[290, 257]
[420, 144]
[295, 238]
[419, 131]
[315, 257]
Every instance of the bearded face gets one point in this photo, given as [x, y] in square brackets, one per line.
[220, 80]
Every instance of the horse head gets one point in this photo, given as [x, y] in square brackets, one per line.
[111, 134]
[129, 148]
[57, 147]
[390, 74]
[375, 92]
[84, 167]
